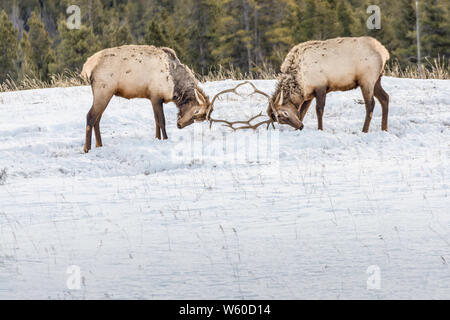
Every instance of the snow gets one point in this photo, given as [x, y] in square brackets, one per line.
[336, 214]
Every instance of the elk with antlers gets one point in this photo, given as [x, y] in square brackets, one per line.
[314, 68]
[143, 72]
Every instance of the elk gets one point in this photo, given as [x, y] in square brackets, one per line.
[143, 72]
[314, 68]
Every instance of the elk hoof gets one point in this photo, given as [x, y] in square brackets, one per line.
[86, 150]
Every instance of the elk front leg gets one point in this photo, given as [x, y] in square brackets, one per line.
[320, 105]
[304, 109]
[160, 119]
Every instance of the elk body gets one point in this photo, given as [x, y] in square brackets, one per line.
[314, 68]
[143, 72]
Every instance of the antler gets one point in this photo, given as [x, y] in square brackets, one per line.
[211, 106]
[246, 124]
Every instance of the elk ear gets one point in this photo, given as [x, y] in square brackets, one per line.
[278, 101]
[199, 97]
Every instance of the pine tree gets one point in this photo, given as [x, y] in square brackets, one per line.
[116, 33]
[346, 19]
[123, 36]
[318, 21]
[234, 43]
[39, 54]
[156, 35]
[74, 48]
[8, 48]
[168, 30]
[278, 35]
[26, 67]
[435, 29]
[403, 46]
[204, 19]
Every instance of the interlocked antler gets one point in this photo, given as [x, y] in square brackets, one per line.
[246, 124]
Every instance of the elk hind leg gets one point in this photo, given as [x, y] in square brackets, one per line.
[383, 97]
[98, 137]
[93, 120]
[367, 92]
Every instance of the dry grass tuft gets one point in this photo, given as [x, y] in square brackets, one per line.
[437, 68]
[264, 72]
[61, 80]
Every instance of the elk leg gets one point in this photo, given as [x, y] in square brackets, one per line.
[93, 120]
[160, 119]
[90, 121]
[370, 105]
[383, 97]
[158, 131]
[98, 137]
[304, 109]
[320, 105]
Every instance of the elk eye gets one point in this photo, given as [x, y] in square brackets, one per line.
[196, 112]
[285, 114]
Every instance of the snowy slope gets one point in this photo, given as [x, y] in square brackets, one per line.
[331, 215]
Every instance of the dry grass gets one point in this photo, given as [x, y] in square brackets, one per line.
[62, 80]
[265, 72]
[438, 68]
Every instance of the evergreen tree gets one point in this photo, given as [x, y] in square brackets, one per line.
[404, 45]
[74, 48]
[26, 67]
[318, 21]
[245, 34]
[278, 36]
[162, 32]
[202, 34]
[435, 29]
[8, 48]
[346, 19]
[38, 54]
[117, 33]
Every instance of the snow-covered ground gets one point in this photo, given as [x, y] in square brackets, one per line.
[330, 215]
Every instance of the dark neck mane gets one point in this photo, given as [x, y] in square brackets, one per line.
[287, 84]
[184, 81]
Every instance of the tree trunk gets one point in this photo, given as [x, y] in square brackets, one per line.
[247, 33]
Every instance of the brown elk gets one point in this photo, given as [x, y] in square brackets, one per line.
[143, 72]
[314, 68]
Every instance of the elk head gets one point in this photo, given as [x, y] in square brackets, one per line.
[196, 110]
[284, 111]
